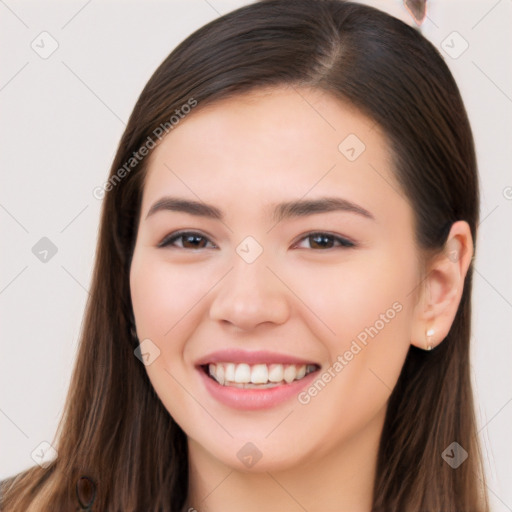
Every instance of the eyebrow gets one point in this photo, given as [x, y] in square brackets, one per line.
[285, 210]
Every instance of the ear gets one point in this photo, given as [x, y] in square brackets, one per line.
[441, 289]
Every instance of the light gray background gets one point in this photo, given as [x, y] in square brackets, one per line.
[62, 118]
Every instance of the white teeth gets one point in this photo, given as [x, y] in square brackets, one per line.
[259, 375]
[289, 373]
[275, 372]
[212, 369]
[229, 371]
[219, 374]
[243, 373]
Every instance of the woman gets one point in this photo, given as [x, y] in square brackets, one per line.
[280, 308]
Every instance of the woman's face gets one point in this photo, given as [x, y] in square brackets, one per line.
[298, 254]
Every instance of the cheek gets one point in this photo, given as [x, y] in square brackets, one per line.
[166, 301]
[366, 310]
[162, 295]
[348, 296]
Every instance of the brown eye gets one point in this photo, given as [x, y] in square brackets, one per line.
[326, 241]
[189, 240]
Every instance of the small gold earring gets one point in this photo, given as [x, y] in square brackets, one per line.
[429, 334]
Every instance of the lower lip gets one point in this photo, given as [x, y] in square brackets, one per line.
[254, 399]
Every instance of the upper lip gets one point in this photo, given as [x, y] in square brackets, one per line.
[250, 357]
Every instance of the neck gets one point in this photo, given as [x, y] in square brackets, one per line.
[340, 480]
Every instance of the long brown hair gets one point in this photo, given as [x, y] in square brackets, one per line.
[115, 432]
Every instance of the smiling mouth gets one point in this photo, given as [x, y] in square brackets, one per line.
[257, 376]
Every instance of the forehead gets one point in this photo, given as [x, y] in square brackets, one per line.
[273, 145]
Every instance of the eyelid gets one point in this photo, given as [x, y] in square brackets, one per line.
[171, 237]
[344, 242]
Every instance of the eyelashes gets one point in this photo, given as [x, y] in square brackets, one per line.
[320, 237]
[319, 240]
[191, 236]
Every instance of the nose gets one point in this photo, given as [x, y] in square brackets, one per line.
[250, 295]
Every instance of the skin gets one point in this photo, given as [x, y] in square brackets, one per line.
[242, 155]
